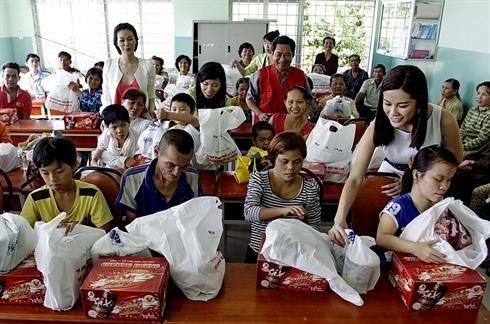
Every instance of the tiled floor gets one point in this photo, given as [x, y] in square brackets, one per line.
[238, 236]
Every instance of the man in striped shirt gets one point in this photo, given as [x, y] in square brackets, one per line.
[475, 131]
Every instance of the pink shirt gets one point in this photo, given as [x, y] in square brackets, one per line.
[122, 87]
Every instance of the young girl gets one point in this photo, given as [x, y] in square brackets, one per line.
[90, 99]
[297, 103]
[134, 102]
[281, 191]
[405, 122]
[242, 86]
[475, 131]
[427, 179]
[210, 89]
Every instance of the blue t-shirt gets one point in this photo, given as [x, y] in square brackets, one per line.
[402, 210]
[91, 103]
[139, 195]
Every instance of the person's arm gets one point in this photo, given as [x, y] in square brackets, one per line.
[450, 134]
[352, 186]
[75, 87]
[96, 156]
[125, 199]
[359, 99]
[385, 238]
[254, 65]
[188, 119]
[30, 211]
[100, 213]
[253, 210]
[236, 64]
[253, 97]
[355, 113]
[151, 88]
[106, 93]
[27, 100]
[313, 207]
[482, 138]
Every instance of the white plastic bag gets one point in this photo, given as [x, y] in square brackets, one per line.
[337, 107]
[361, 268]
[290, 242]
[337, 172]
[9, 159]
[17, 241]
[321, 84]
[329, 141]
[120, 243]
[232, 76]
[60, 97]
[421, 229]
[216, 143]
[63, 260]
[188, 236]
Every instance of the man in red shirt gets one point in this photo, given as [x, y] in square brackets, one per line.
[268, 85]
[11, 95]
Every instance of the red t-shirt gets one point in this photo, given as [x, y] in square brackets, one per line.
[22, 102]
[122, 87]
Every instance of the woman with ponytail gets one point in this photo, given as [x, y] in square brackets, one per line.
[423, 185]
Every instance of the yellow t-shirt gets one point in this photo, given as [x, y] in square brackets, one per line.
[89, 203]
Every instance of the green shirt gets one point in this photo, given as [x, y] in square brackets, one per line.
[257, 63]
[475, 131]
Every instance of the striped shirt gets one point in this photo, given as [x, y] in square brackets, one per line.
[260, 195]
[475, 131]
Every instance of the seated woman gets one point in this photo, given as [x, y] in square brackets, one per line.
[185, 77]
[475, 130]
[261, 60]
[281, 192]
[425, 184]
[242, 86]
[127, 71]
[134, 102]
[246, 52]
[450, 99]
[210, 88]
[90, 99]
[297, 103]
[337, 85]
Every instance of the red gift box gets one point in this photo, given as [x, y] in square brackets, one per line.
[274, 276]
[23, 285]
[8, 116]
[425, 286]
[129, 288]
[82, 120]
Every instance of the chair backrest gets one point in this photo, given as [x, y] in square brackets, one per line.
[370, 202]
[108, 181]
[361, 125]
[6, 204]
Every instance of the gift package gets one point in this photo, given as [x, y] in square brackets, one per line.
[317, 168]
[81, 120]
[425, 286]
[8, 116]
[23, 285]
[129, 288]
[274, 276]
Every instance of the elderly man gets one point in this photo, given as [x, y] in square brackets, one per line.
[268, 85]
[354, 77]
[31, 81]
[11, 95]
[164, 183]
[368, 97]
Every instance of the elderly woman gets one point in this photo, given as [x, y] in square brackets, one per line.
[127, 71]
[329, 60]
[246, 52]
[296, 120]
[185, 77]
[260, 60]
[450, 100]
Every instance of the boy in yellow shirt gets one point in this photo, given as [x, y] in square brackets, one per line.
[56, 159]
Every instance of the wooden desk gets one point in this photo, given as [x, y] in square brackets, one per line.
[240, 301]
[84, 139]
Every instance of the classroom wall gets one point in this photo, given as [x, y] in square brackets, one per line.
[16, 30]
[463, 52]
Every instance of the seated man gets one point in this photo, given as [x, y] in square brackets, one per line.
[165, 182]
[368, 97]
[31, 81]
[84, 203]
[11, 95]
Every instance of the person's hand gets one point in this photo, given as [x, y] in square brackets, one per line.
[234, 63]
[73, 86]
[161, 114]
[265, 117]
[392, 189]
[466, 166]
[296, 210]
[68, 226]
[94, 162]
[128, 162]
[427, 253]
[337, 233]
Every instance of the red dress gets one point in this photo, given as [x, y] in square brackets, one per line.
[277, 121]
[122, 87]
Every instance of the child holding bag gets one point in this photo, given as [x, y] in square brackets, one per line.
[281, 192]
[428, 179]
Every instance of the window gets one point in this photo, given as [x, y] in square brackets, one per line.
[350, 22]
[69, 26]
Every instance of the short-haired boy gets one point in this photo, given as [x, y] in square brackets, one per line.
[262, 135]
[83, 203]
[117, 145]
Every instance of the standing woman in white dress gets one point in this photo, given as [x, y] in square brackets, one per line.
[127, 71]
[405, 122]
